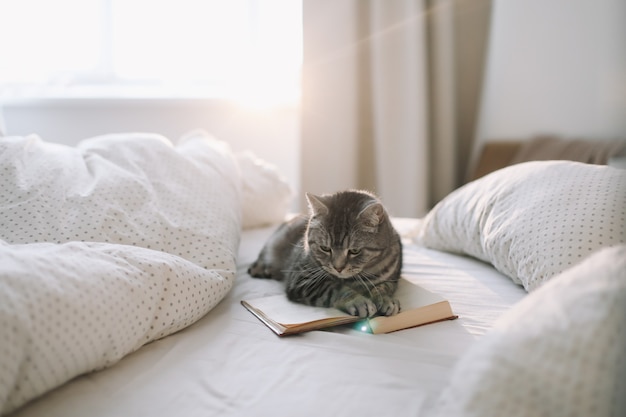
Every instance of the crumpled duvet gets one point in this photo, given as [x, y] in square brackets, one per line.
[105, 247]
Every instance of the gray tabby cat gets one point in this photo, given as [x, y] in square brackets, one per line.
[345, 254]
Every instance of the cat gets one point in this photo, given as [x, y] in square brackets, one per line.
[345, 254]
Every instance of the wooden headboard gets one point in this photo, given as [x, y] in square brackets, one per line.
[500, 154]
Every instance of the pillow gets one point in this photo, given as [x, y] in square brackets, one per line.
[559, 352]
[266, 194]
[67, 309]
[134, 189]
[532, 220]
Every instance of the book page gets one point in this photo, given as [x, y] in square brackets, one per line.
[288, 313]
[412, 296]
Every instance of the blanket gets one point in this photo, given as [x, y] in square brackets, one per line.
[105, 247]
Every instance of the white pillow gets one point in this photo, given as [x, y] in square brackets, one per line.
[559, 352]
[265, 192]
[135, 189]
[532, 220]
[67, 309]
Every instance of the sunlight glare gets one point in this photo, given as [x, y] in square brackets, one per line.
[249, 55]
[44, 46]
[247, 51]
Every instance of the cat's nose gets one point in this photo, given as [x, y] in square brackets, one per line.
[339, 268]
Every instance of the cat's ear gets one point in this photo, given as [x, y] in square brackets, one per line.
[372, 215]
[316, 206]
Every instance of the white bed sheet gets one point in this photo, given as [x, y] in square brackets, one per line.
[230, 364]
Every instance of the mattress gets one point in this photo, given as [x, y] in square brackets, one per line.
[229, 364]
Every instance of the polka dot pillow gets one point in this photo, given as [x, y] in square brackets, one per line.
[532, 220]
[559, 352]
[266, 195]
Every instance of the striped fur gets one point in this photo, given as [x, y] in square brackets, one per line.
[345, 254]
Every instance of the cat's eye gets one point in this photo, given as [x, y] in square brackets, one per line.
[324, 248]
[354, 251]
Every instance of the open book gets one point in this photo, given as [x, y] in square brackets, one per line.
[418, 306]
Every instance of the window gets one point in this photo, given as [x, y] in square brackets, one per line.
[240, 49]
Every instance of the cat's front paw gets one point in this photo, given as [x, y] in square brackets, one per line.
[390, 306]
[260, 269]
[359, 306]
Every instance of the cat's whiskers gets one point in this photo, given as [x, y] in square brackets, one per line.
[363, 276]
[360, 280]
[313, 280]
[313, 273]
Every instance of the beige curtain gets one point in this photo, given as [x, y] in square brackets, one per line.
[390, 92]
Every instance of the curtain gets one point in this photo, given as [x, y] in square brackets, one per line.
[389, 97]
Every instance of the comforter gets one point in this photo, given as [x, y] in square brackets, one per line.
[111, 244]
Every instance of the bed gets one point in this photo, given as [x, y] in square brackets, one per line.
[123, 263]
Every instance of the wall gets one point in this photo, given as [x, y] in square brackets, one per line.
[555, 67]
[271, 133]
